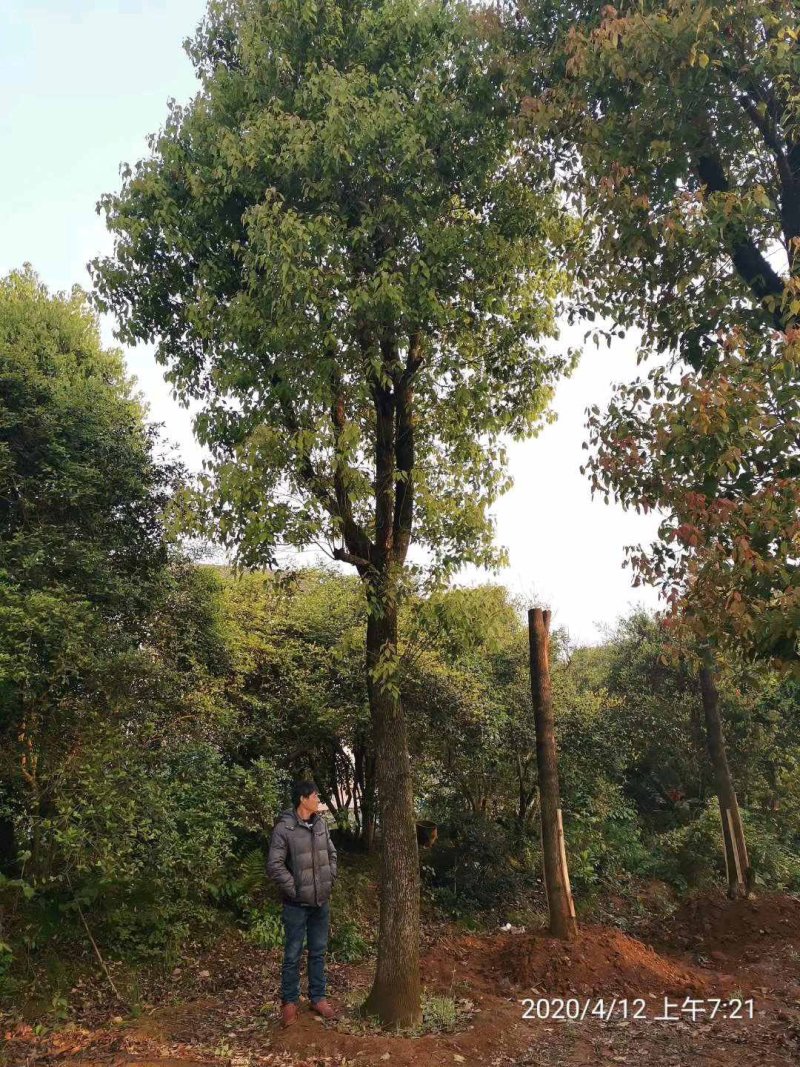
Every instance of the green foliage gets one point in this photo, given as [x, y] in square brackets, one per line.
[83, 552]
[265, 927]
[691, 856]
[604, 841]
[135, 817]
[440, 1014]
[473, 866]
[332, 258]
[81, 543]
[141, 840]
[298, 684]
[467, 692]
[347, 944]
[107, 640]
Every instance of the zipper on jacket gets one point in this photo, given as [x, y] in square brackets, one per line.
[313, 861]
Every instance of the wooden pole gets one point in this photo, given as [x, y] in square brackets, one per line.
[556, 875]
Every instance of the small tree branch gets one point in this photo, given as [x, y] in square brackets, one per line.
[767, 122]
[94, 946]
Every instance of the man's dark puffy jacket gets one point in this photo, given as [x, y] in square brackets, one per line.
[302, 860]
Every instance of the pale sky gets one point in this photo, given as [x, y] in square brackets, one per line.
[82, 83]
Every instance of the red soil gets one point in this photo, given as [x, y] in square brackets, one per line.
[602, 962]
[226, 1013]
[713, 922]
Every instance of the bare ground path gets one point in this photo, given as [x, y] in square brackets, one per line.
[222, 1008]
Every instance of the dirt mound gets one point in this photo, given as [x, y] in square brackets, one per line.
[603, 961]
[715, 922]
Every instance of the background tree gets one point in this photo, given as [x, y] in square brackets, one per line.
[297, 684]
[116, 798]
[466, 688]
[343, 255]
[674, 130]
[82, 550]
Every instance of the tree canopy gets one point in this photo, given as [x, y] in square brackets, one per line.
[673, 130]
[339, 238]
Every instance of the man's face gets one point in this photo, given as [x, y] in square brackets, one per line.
[311, 802]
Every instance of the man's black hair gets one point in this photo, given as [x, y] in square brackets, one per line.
[302, 789]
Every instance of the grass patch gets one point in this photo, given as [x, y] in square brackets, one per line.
[441, 1014]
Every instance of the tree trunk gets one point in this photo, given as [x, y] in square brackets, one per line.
[395, 994]
[556, 875]
[698, 732]
[737, 864]
[370, 802]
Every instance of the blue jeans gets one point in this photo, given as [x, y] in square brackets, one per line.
[299, 921]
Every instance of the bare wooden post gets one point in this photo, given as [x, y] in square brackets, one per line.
[556, 875]
[737, 864]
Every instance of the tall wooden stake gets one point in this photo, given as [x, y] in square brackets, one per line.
[556, 875]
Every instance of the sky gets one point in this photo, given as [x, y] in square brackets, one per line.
[82, 84]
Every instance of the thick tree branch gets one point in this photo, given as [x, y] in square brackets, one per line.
[767, 120]
[359, 546]
[360, 562]
[384, 400]
[404, 449]
[336, 503]
[752, 267]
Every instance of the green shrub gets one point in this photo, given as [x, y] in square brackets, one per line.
[149, 838]
[692, 856]
[603, 839]
[475, 865]
[265, 927]
[347, 942]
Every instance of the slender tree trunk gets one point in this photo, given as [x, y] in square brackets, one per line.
[395, 994]
[365, 770]
[358, 790]
[8, 847]
[556, 875]
[526, 794]
[737, 864]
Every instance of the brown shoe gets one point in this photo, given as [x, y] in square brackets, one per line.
[323, 1008]
[288, 1014]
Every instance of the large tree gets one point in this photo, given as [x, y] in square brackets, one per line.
[675, 129]
[343, 255]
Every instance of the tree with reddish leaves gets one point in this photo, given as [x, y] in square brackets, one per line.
[674, 131]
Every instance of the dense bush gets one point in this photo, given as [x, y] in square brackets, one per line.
[604, 840]
[475, 865]
[691, 856]
[142, 838]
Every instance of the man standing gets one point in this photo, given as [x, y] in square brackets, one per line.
[302, 861]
